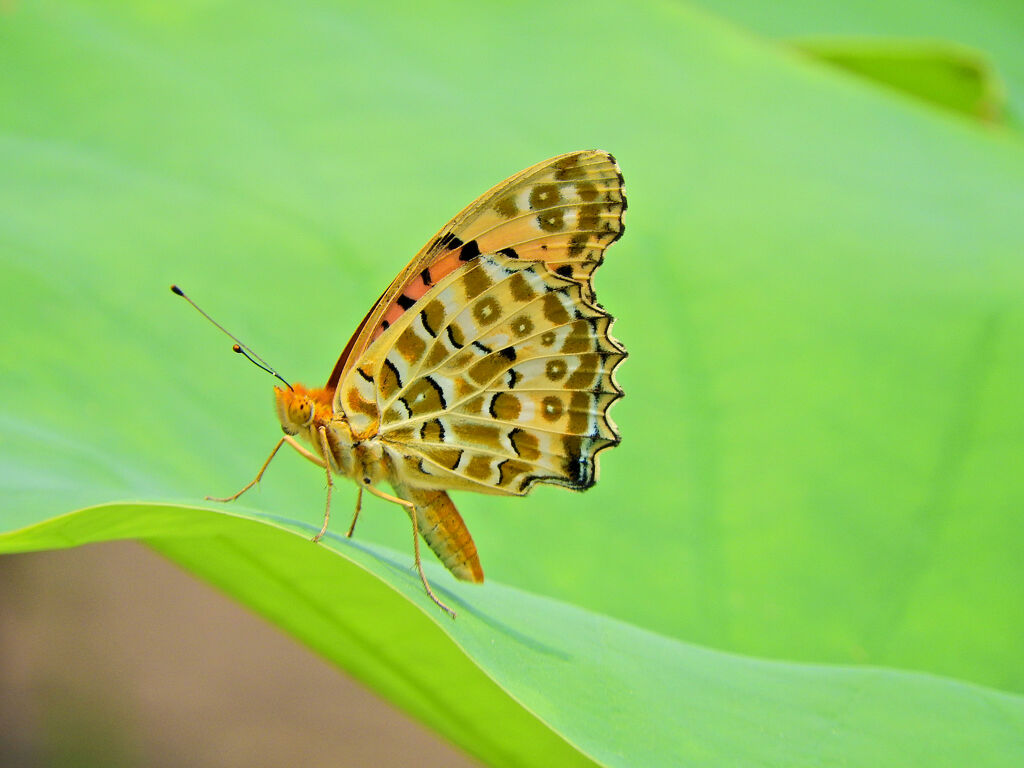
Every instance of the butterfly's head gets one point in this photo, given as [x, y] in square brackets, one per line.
[299, 408]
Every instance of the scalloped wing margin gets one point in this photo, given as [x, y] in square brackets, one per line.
[499, 378]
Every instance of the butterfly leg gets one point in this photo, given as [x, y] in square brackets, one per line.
[330, 482]
[410, 509]
[359, 506]
[273, 453]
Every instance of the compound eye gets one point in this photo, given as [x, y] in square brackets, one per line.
[304, 413]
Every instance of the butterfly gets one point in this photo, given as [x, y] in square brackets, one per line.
[487, 365]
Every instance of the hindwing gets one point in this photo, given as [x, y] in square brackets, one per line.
[500, 376]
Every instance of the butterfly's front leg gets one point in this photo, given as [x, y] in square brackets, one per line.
[326, 448]
[259, 475]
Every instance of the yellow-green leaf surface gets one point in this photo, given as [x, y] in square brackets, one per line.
[948, 75]
[989, 28]
[806, 550]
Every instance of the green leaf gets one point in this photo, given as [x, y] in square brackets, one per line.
[622, 695]
[991, 27]
[951, 76]
[819, 287]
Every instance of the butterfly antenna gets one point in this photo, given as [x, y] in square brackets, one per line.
[241, 348]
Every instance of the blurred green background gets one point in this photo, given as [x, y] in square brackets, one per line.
[820, 287]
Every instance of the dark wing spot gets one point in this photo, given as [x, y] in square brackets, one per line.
[432, 431]
[365, 375]
[521, 289]
[524, 444]
[487, 368]
[551, 220]
[448, 458]
[440, 392]
[589, 216]
[555, 368]
[586, 190]
[575, 466]
[486, 309]
[394, 372]
[476, 281]
[512, 439]
[425, 275]
[553, 309]
[504, 406]
[450, 241]
[545, 196]
[552, 408]
[469, 251]
[579, 411]
[482, 347]
[508, 353]
[405, 301]
[522, 326]
[509, 469]
[577, 244]
[510, 252]
[565, 270]
[506, 207]
[452, 332]
[424, 318]
[566, 168]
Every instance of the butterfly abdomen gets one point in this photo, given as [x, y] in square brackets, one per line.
[442, 527]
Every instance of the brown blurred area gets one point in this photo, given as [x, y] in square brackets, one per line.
[112, 656]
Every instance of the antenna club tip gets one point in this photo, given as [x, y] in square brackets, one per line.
[238, 346]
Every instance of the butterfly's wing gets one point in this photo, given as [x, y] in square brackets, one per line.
[564, 212]
[499, 377]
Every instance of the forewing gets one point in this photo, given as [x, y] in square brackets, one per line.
[500, 377]
[564, 212]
